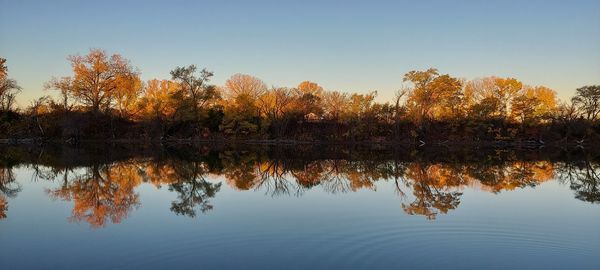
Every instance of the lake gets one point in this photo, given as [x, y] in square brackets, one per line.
[298, 207]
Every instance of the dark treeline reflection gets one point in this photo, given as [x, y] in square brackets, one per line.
[102, 183]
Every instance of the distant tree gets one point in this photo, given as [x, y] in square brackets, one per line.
[194, 89]
[360, 105]
[126, 98]
[524, 107]
[587, 101]
[534, 103]
[335, 103]
[487, 108]
[309, 98]
[501, 91]
[3, 68]
[156, 102]
[431, 93]
[9, 89]
[242, 84]
[506, 89]
[242, 111]
[310, 88]
[276, 103]
[65, 86]
[97, 79]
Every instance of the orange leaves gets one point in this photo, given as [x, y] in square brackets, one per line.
[310, 88]
[3, 68]
[157, 102]
[242, 84]
[432, 94]
[99, 80]
[3, 207]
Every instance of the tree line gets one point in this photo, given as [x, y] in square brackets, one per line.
[105, 98]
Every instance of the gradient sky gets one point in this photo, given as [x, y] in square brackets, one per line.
[353, 46]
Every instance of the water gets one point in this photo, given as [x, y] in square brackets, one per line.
[298, 209]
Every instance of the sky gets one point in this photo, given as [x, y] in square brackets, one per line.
[353, 46]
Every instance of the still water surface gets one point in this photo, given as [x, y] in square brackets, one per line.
[239, 209]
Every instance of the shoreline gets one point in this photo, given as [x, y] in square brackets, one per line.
[525, 143]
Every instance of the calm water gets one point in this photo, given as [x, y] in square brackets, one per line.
[255, 209]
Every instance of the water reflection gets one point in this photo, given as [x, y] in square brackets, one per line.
[8, 189]
[103, 191]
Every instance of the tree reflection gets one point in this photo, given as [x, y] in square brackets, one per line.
[8, 189]
[432, 188]
[101, 194]
[192, 189]
[105, 193]
[583, 177]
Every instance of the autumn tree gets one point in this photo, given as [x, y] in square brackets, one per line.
[126, 98]
[156, 101]
[97, 80]
[360, 104]
[275, 106]
[534, 103]
[3, 68]
[334, 104]
[505, 90]
[242, 112]
[523, 107]
[309, 98]
[243, 84]
[487, 108]
[276, 103]
[587, 101]
[431, 94]
[8, 88]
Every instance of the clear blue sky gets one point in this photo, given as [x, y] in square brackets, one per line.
[342, 45]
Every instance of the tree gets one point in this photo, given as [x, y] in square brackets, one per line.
[65, 86]
[360, 105]
[309, 98]
[194, 89]
[431, 93]
[505, 90]
[524, 107]
[3, 69]
[587, 101]
[97, 79]
[242, 84]
[275, 103]
[126, 98]
[156, 102]
[334, 104]
[241, 116]
[487, 108]
[8, 88]
[534, 103]
[242, 111]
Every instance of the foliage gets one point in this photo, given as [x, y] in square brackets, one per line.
[105, 98]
